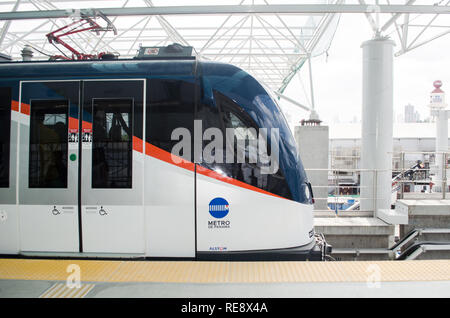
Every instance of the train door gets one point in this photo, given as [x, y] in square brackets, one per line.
[112, 211]
[48, 166]
[170, 194]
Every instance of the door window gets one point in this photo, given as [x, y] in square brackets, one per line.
[48, 144]
[171, 105]
[112, 143]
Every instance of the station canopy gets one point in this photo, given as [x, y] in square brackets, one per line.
[272, 45]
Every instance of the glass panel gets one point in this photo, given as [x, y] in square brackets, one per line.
[245, 129]
[48, 144]
[112, 143]
[171, 105]
[5, 131]
[242, 132]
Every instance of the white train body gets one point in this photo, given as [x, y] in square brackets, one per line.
[119, 192]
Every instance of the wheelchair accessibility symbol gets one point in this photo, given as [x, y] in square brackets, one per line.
[55, 211]
[102, 211]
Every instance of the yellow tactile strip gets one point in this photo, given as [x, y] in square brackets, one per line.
[226, 272]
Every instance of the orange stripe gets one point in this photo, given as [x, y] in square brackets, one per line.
[73, 124]
[86, 126]
[163, 155]
[168, 157]
[215, 175]
[25, 109]
[138, 144]
[160, 154]
[15, 105]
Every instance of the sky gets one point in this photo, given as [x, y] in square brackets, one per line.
[337, 78]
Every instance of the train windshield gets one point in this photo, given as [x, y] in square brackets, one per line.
[232, 86]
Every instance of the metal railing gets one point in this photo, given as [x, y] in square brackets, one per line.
[431, 176]
[339, 189]
[414, 176]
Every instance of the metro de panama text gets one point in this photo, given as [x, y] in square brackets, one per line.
[219, 224]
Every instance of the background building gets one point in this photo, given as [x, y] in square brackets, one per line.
[411, 115]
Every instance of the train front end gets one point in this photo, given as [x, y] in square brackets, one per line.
[254, 200]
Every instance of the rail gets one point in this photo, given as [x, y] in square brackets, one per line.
[431, 176]
[415, 175]
[339, 191]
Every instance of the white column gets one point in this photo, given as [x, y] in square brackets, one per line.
[377, 124]
[441, 145]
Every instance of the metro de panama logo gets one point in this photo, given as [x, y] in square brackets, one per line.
[218, 209]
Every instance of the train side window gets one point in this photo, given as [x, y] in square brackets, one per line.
[48, 144]
[5, 135]
[244, 129]
[112, 143]
[170, 105]
[233, 116]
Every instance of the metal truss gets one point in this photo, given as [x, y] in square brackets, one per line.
[271, 46]
[271, 39]
[410, 29]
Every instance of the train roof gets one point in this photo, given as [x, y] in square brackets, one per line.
[168, 66]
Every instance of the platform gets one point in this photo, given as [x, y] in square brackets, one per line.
[424, 214]
[361, 237]
[47, 278]
[423, 196]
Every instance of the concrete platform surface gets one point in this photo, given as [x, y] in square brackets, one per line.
[34, 289]
[424, 195]
[349, 221]
[426, 207]
[352, 225]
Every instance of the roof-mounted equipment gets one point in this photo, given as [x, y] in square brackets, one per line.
[81, 24]
[171, 51]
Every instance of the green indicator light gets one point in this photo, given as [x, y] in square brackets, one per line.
[73, 157]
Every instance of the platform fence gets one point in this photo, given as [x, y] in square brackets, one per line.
[415, 175]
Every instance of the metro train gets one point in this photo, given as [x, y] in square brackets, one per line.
[87, 168]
